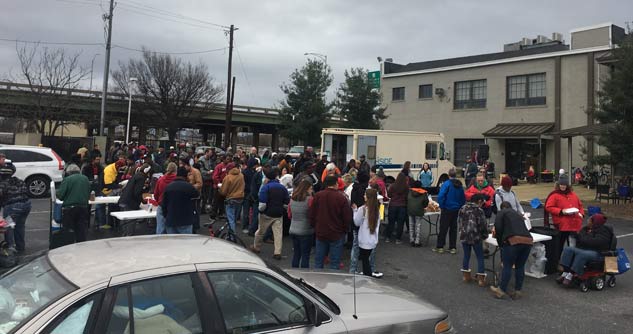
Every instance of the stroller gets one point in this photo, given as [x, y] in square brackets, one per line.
[595, 276]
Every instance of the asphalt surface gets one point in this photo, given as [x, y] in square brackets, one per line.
[545, 307]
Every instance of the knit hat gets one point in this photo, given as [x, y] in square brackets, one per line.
[598, 219]
[563, 180]
[506, 182]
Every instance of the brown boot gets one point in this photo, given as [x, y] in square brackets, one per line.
[467, 278]
[481, 280]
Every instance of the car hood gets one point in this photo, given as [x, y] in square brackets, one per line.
[378, 305]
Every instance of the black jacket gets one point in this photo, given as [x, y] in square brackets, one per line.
[178, 205]
[597, 238]
[509, 223]
[96, 184]
[132, 194]
[249, 174]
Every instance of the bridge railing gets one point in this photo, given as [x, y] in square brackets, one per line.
[11, 86]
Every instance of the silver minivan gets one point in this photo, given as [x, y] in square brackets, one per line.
[195, 284]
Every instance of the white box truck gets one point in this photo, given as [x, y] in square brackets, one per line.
[388, 149]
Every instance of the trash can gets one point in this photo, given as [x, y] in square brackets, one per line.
[552, 247]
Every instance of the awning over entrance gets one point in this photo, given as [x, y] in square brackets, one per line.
[518, 130]
[587, 130]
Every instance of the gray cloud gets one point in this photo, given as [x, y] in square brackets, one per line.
[274, 35]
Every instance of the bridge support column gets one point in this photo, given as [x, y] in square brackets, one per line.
[218, 138]
[275, 140]
[255, 142]
[234, 139]
[205, 135]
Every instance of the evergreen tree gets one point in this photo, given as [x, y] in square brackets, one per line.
[358, 103]
[616, 107]
[305, 111]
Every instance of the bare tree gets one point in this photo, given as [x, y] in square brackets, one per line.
[49, 75]
[173, 92]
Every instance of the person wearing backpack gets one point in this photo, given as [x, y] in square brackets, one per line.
[505, 194]
[417, 201]
[473, 230]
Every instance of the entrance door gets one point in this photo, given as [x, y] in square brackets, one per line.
[520, 155]
[367, 146]
[339, 151]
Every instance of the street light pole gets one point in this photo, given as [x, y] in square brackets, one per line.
[92, 66]
[320, 55]
[129, 111]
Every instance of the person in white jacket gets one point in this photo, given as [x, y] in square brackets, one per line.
[367, 218]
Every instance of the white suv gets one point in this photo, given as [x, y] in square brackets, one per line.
[37, 166]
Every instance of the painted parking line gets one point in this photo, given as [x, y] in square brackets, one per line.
[37, 229]
[625, 235]
[39, 212]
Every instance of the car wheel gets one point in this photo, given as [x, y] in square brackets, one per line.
[611, 282]
[37, 186]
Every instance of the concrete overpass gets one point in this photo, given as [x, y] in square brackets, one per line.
[85, 106]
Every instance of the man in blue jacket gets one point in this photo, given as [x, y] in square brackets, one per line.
[178, 206]
[451, 198]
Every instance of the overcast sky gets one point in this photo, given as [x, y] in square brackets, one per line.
[273, 35]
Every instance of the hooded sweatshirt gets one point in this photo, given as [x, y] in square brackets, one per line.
[366, 239]
[485, 189]
[510, 197]
[161, 184]
[472, 224]
[417, 201]
[233, 185]
[451, 196]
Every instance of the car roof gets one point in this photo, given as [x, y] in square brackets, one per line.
[29, 147]
[94, 261]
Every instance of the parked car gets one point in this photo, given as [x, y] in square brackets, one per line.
[37, 166]
[194, 284]
[296, 152]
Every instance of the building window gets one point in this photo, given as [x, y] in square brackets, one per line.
[397, 94]
[526, 90]
[425, 92]
[470, 94]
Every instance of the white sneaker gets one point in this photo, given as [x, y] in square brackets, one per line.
[377, 274]
[245, 231]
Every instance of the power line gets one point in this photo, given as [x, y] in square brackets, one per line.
[81, 2]
[248, 82]
[49, 43]
[170, 53]
[129, 9]
[159, 11]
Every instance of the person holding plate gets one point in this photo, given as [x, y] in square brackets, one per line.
[566, 210]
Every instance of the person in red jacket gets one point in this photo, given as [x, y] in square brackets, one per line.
[159, 189]
[219, 173]
[481, 186]
[331, 217]
[566, 209]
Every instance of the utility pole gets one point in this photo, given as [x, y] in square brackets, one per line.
[106, 72]
[233, 140]
[229, 107]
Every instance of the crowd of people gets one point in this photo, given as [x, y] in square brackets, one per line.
[321, 206]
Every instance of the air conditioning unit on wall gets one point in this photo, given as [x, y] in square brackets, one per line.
[440, 92]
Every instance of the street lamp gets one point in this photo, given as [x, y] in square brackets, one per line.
[92, 65]
[129, 111]
[320, 55]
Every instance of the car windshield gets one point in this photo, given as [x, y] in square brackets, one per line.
[307, 288]
[27, 290]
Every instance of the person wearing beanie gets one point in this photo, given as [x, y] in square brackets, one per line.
[592, 239]
[505, 194]
[473, 230]
[159, 190]
[75, 193]
[566, 209]
[233, 191]
[178, 205]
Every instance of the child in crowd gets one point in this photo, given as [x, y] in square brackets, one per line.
[367, 219]
[473, 231]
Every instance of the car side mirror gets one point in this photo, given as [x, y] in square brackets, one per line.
[314, 314]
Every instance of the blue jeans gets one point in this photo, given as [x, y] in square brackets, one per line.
[576, 258]
[479, 252]
[397, 217]
[353, 263]
[18, 212]
[160, 221]
[332, 248]
[514, 256]
[247, 205]
[232, 212]
[301, 246]
[187, 229]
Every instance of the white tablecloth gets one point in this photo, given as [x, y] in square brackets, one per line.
[99, 200]
[535, 236]
[134, 214]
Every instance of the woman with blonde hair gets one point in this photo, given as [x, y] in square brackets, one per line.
[367, 219]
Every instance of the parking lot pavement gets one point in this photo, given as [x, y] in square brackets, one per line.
[546, 307]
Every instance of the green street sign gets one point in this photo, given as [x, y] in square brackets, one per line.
[374, 79]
